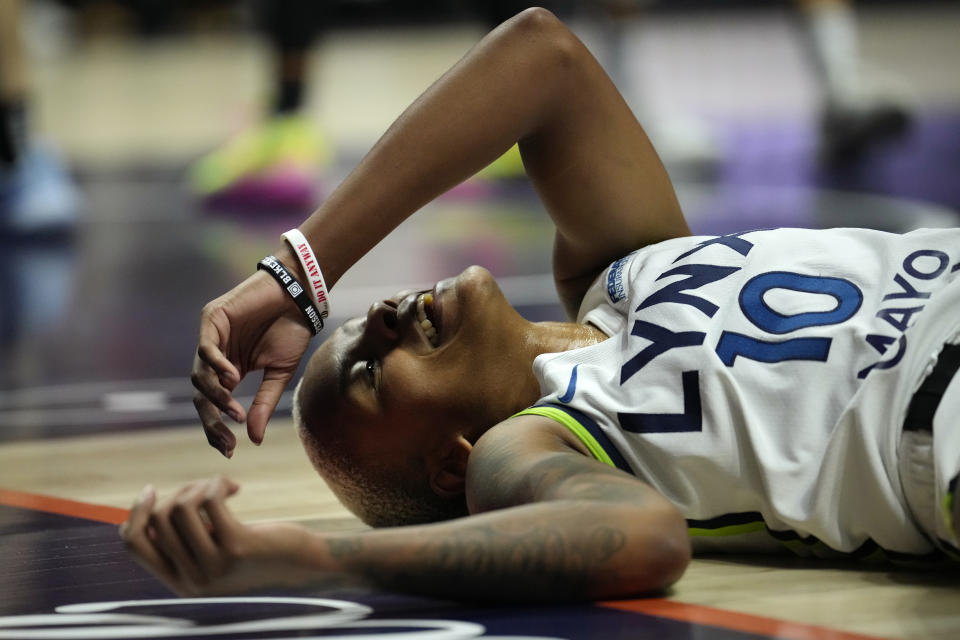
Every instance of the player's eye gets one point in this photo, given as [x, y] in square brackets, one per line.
[371, 367]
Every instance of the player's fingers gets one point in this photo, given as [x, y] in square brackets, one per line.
[224, 528]
[205, 381]
[210, 348]
[218, 434]
[133, 532]
[139, 513]
[214, 504]
[268, 395]
[169, 542]
[188, 521]
[227, 374]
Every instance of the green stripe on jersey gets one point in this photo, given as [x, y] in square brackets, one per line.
[730, 530]
[947, 506]
[570, 423]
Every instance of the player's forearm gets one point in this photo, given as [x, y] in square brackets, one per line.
[557, 551]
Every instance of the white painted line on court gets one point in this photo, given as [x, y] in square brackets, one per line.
[47, 419]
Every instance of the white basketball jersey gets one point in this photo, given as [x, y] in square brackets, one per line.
[759, 380]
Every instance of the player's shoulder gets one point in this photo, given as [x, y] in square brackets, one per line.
[524, 435]
[507, 456]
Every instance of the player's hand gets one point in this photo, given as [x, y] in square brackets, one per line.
[196, 547]
[255, 325]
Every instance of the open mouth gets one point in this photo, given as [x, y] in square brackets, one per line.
[427, 317]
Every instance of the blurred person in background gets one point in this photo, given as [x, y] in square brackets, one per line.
[852, 119]
[275, 161]
[36, 193]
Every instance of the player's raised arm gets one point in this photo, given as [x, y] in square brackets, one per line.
[530, 80]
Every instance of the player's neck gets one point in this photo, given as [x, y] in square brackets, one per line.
[555, 337]
[521, 388]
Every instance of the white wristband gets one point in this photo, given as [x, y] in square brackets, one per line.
[317, 287]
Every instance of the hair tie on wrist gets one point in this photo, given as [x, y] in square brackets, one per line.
[274, 267]
[317, 286]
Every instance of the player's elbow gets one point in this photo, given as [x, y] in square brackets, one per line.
[669, 551]
[535, 19]
[553, 45]
[659, 555]
[674, 552]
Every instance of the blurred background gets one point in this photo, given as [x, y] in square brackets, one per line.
[152, 151]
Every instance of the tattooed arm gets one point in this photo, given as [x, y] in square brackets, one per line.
[550, 524]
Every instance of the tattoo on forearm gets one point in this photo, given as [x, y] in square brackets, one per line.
[557, 560]
[494, 561]
[605, 542]
[344, 548]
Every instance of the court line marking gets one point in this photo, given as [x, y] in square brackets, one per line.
[69, 393]
[62, 418]
[658, 607]
[93, 621]
[62, 506]
[733, 620]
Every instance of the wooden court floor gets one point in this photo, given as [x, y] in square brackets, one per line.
[94, 393]
[769, 597]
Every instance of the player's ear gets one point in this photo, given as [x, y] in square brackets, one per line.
[448, 469]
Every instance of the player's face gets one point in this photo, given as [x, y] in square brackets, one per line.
[420, 364]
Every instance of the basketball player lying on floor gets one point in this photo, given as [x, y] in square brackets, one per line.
[761, 391]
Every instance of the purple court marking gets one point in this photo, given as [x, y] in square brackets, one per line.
[771, 176]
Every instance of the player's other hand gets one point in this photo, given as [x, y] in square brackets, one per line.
[255, 325]
[196, 547]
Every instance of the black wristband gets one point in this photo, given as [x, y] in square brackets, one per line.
[274, 267]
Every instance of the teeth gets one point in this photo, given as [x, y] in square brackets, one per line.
[424, 300]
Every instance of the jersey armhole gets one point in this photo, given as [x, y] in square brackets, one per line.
[595, 448]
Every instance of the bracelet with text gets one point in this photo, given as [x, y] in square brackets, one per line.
[274, 267]
[318, 288]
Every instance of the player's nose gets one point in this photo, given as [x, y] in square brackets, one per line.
[381, 324]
